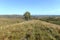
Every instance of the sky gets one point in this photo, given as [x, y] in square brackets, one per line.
[35, 7]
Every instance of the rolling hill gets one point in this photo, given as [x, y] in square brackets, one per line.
[30, 30]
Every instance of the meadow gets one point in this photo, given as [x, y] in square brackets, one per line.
[20, 29]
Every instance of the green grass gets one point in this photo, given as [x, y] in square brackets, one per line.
[52, 20]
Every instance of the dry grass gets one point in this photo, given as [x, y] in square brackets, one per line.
[8, 21]
[18, 31]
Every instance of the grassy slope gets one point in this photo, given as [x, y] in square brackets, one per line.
[8, 21]
[18, 31]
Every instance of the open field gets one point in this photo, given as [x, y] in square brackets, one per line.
[18, 29]
[8, 21]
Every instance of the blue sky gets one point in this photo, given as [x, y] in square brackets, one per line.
[35, 7]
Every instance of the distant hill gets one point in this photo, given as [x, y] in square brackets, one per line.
[11, 16]
[31, 30]
[37, 16]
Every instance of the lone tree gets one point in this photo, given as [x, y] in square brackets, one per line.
[27, 15]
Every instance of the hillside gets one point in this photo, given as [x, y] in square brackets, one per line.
[8, 21]
[30, 30]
